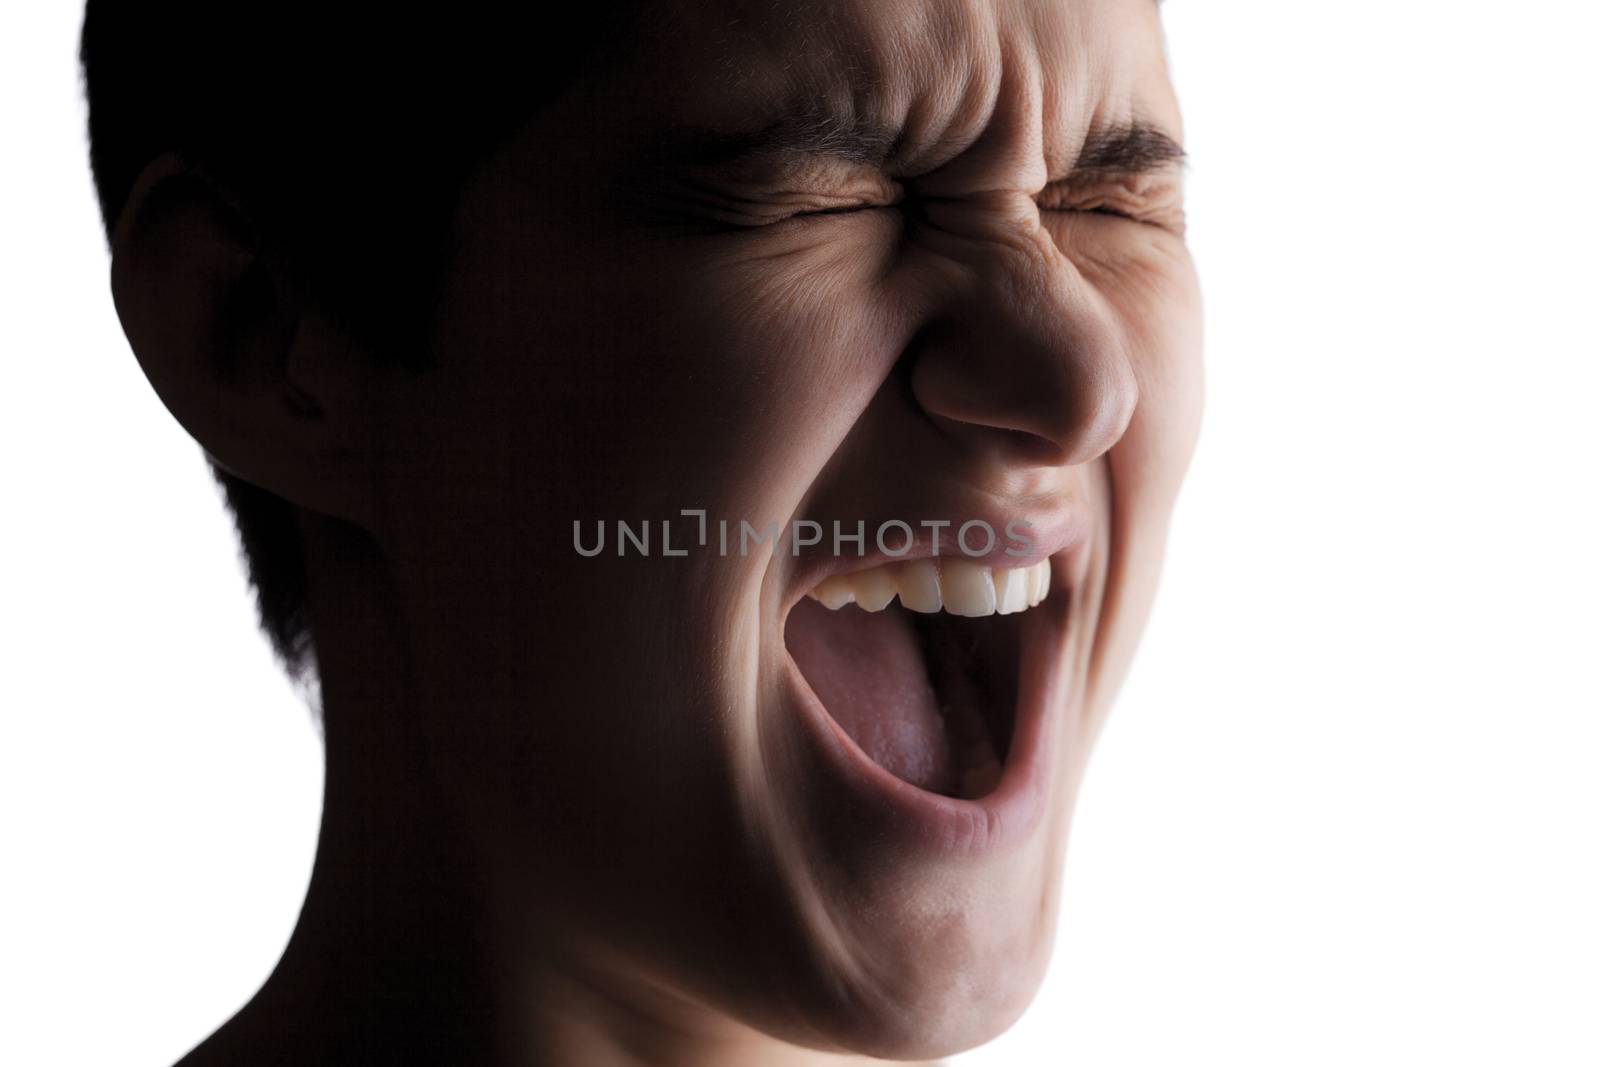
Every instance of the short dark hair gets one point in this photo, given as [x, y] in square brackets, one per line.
[344, 136]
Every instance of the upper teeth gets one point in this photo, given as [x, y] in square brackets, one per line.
[927, 585]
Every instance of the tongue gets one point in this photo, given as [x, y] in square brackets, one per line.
[868, 670]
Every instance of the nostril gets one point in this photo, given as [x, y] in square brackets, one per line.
[1030, 448]
[1010, 445]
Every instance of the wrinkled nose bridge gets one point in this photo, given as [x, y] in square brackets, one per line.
[1025, 359]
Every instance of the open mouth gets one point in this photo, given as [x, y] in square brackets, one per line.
[919, 663]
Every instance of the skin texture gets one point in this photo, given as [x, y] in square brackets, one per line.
[574, 809]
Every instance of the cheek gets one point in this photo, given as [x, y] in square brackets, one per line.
[700, 365]
[1154, 297]
[788, 337]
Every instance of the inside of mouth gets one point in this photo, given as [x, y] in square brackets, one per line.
[930, 698]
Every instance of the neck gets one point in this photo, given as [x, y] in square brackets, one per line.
[393, 959]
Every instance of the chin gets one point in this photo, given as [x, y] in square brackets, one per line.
[920, 760]
[952, 990]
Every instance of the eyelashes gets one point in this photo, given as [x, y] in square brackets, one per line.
[847, 209]
[1065, 201]
[1146, 200]
[1109, 212]
[1104, 211]
[1158, 208]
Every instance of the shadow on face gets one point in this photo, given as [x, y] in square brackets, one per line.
[891, 262]
[903, 271]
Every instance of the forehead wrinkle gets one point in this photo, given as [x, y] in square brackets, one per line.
[790, 80]
[950, 110]
[1004, 134]
[879, 65]
[1099, 82]
[1008, 153]
[928, 70]
[911, 89]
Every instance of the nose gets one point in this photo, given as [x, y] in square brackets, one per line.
[1024, 360]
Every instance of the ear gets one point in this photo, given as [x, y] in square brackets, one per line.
[262, 382]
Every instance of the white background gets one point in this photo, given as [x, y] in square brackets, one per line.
[1346, 809]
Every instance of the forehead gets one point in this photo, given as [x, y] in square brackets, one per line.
[938, 76]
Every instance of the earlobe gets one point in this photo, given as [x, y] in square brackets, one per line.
[220, 336]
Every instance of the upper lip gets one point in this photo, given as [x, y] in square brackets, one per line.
[1050, 537]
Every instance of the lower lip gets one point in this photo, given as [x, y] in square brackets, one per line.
[950, 826]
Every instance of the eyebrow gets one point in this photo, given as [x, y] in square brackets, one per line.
[1134, 147]
[810, 133]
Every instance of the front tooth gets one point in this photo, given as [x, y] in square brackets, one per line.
[1011, 589]
[919, 587]
[1038, 582]
[968, 589]
[959, 588]
[874, 588]
[835, 593]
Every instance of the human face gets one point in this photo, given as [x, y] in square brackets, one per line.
[972, 300]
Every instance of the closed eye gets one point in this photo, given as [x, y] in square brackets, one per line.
[842, 209]
[1141, 200]
[1101, 209]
